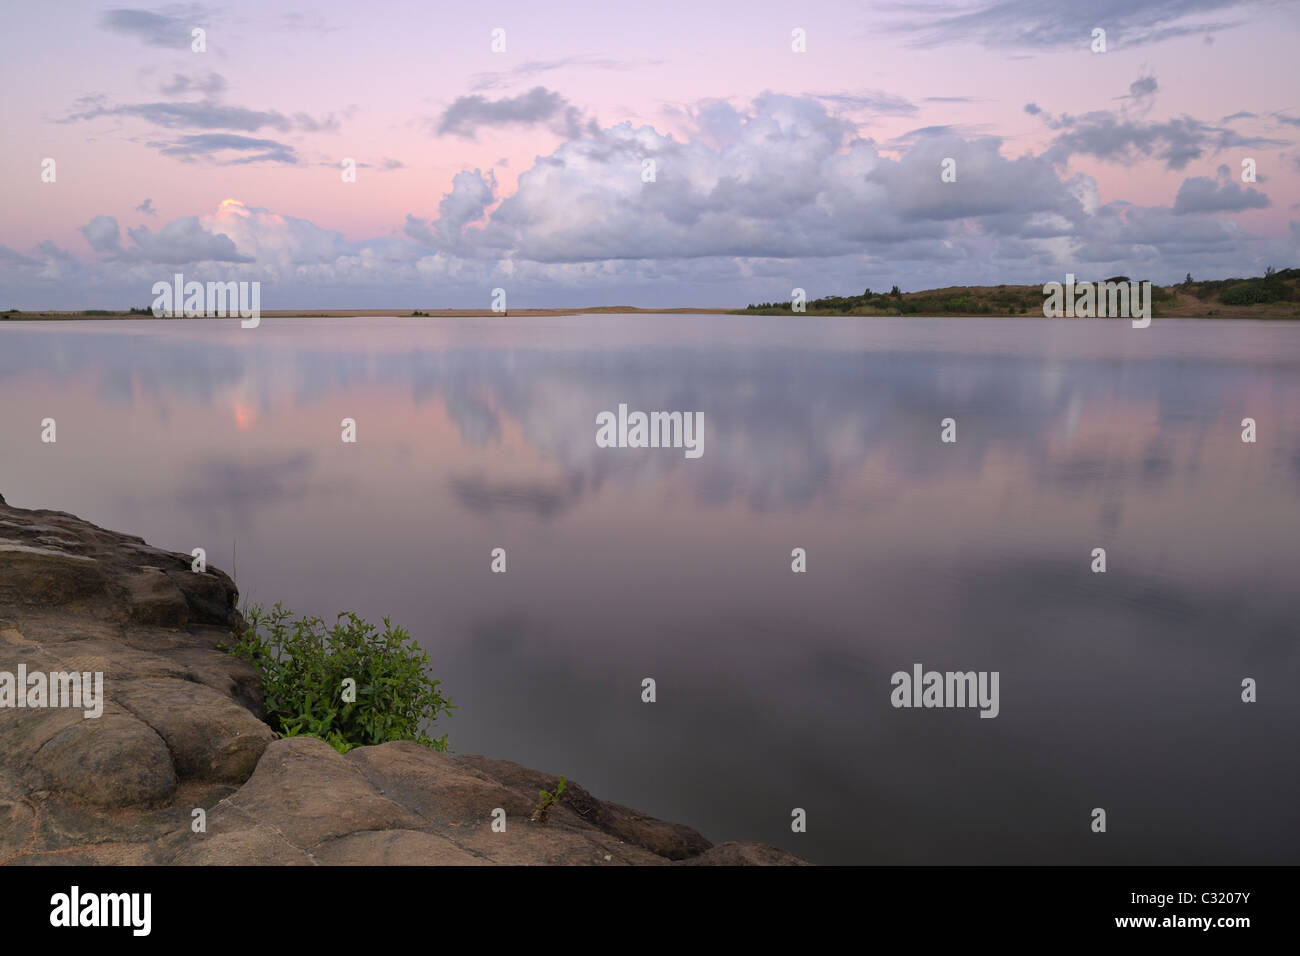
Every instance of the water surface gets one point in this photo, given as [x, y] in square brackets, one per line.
[1117, 690]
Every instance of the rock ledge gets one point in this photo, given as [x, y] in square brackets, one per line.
[181, 730]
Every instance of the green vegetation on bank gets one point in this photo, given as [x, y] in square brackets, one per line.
[350, 685]
[1273, 286]
[546, 800]
[1189, 298]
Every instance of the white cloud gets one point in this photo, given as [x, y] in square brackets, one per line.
[780, 194]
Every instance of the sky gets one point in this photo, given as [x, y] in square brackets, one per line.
[666, 154]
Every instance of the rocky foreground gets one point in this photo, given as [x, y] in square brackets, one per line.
[180, 730]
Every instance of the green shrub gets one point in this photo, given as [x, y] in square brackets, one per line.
[545, 801]
[1247, 293]
[304, 668]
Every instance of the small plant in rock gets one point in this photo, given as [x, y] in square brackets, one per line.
[546, 801]
[350, 685]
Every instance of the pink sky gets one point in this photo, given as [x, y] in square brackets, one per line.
[774, 168]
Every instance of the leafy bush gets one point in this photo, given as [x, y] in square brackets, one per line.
[304, 668]
[1247, 293]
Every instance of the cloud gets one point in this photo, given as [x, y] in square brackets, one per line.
[210, 84]
[471, 194]
[539, 105]
[184, 240]
[1119, 137]
[912, 136]
[169, 29]
[785, 178]
[309, 124]
[203, 115]
[281, 244]
[1143, 86]
[209, 145]
[11, 257]
[1201, 194]
[146, 207]
[544, 500]
[1043, 24]
[875, 101]
[103, 235]
[756, 200]
[181, 241]
[531, 68]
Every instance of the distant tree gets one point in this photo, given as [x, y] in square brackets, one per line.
[894, 292]
[1188, 280]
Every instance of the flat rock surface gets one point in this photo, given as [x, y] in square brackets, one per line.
[178, 739]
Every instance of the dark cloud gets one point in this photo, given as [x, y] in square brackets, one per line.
[481, 496]
[203, 115]
[1142, 86]
[1119, 137]
[1062, 23]
[211, 144]
[538, 106]
[1204, 195]
[170, 29]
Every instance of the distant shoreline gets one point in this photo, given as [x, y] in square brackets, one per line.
[1203, 300]
[1258, 313]
[110, 315]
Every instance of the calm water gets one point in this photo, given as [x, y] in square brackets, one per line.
[1117, 690]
